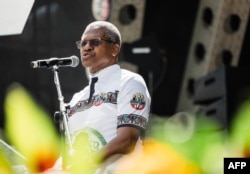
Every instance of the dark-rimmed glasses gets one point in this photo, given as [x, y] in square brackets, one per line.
[92, 42]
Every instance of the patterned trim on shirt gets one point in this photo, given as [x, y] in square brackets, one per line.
[97, 100]
[131, 120]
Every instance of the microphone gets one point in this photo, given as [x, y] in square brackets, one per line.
[72, 61]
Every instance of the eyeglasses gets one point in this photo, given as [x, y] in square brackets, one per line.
[93, 42]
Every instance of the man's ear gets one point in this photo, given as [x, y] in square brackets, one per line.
[116, 50]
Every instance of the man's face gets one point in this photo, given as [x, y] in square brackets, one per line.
[96, 53]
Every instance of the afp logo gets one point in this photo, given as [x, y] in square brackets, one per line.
[236, 165]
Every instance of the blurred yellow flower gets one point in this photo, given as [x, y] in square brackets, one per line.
[30, 130]
[160, 158]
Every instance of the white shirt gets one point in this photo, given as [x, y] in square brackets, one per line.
[120, 99]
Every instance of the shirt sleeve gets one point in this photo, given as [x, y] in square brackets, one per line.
[133, 103]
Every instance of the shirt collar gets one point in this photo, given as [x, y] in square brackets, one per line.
[106, 72]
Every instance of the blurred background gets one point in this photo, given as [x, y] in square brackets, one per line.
[193, 54]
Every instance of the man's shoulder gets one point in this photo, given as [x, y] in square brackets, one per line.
[129, 77]
[129, 74]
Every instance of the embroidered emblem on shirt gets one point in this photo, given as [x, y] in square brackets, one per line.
[138, 101]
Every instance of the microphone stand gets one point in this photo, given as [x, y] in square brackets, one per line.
[63, 114]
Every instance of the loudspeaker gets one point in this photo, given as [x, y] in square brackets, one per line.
[210, 87]
[217, 111]
[224, 82]
[217, 38]
[220, 93]
[128, 16]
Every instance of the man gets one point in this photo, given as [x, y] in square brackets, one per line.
[114, 117]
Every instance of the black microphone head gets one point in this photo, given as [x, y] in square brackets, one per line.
[75, 61]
